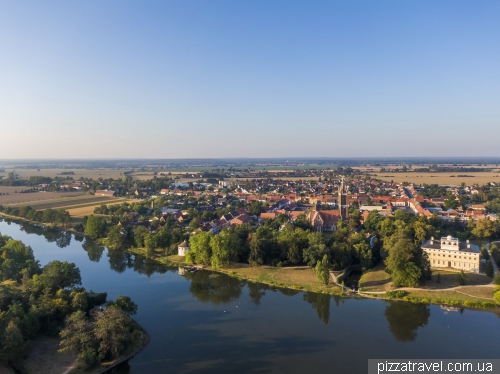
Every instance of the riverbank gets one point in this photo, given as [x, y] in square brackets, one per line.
[476, 293]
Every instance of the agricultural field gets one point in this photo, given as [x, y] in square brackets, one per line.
[447, 178]
[20, 199]
[87, 209]
[86, 173]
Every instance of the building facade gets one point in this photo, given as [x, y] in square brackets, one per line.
[449, 252]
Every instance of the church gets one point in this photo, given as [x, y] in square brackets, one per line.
[326, 220]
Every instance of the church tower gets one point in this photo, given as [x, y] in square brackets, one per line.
[343, 202]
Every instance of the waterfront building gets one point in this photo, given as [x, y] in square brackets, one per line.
[449, 252]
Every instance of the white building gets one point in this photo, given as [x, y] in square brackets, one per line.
[183, 248]
[449, 252]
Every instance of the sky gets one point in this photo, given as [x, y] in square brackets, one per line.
[214, 78]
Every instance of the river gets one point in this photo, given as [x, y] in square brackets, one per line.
[220, 324]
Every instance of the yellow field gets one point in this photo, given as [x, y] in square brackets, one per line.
[86, 209]
[439, 178]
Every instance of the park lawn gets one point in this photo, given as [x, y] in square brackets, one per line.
[43, 358]
[261, 274]
[449, 278]
[302, 278]
[376, 280]
[449, 295]
[485, 292]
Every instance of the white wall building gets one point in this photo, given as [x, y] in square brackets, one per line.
[449, 252]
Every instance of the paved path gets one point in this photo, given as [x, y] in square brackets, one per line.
[493, 262]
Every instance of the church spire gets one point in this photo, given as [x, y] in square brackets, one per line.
[343, 202]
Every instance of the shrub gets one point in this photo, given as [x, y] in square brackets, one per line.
[496, 296]
[461, 278]
[397, 294]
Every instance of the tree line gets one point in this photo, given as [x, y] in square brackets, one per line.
[51, 216]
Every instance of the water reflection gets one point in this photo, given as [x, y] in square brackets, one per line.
[405, 318]
[94, 250]
[320, 302]
[214, 288]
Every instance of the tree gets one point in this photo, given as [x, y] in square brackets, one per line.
[484, 253]
[200, 246]
[489, 269]
[57, 275]
[400, 263]
[315, 250]
[140, 233]
[322, 272]
[364, 254]
[225, 247]
[94, 227]
[12, 347]
[255, 208]
[451, 202]
[78, 336]
[263, 246]
[484, 229]
[112, 330]
[126, 304]
[115, 239]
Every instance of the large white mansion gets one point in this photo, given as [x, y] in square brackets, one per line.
[449, 252]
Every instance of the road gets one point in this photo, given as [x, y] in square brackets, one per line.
[493, 262]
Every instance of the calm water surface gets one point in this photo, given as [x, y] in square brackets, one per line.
[224, 325]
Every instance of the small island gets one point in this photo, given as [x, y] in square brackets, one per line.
[44, 313]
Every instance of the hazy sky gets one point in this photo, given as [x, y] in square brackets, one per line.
[269, 78]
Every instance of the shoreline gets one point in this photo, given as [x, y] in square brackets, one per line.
[334, 290]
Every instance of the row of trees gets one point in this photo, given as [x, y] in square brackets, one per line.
[291, 245]
[51, 216]
[36, 300]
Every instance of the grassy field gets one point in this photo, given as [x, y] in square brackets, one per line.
[66, 202]
[450, 295]
[485, 292]
[448, 279]
[377, 280]
[297, 278]
[86, 209]
[480, 178]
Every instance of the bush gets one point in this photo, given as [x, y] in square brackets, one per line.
[398, 294]
[497, 297]
[87, 359]
[461, 278]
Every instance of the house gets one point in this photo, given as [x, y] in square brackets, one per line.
[107, 193]
[324, 220]
[142, 191]
[449, 252]
[183, 248]
[241, 219]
